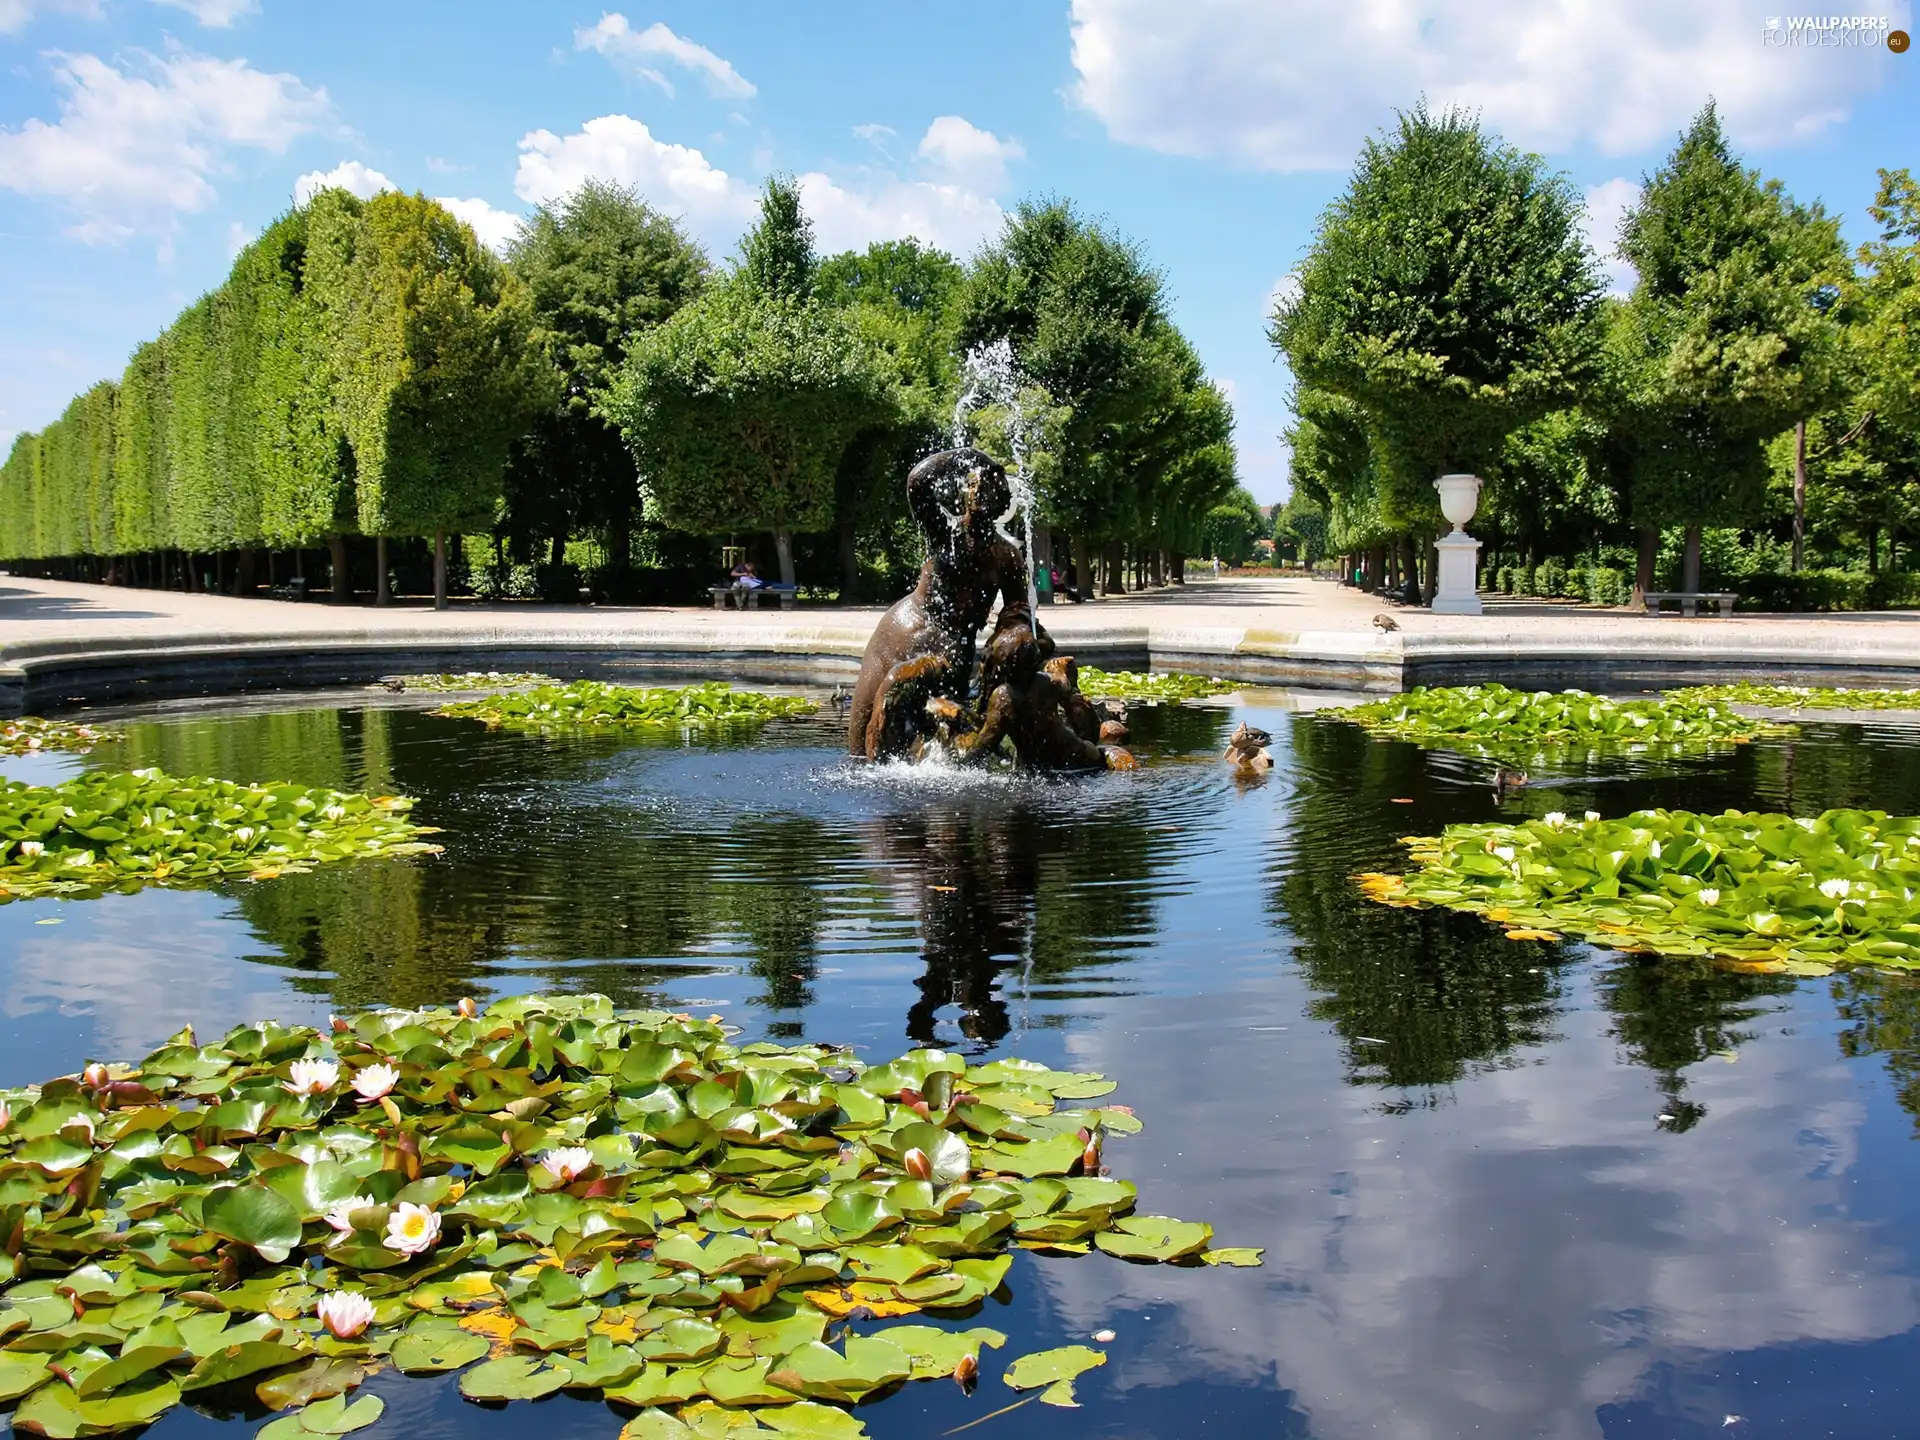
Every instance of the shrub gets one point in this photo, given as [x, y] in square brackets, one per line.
[1550, 579]
[560, 582]
[1808, 590]
[1606, 586]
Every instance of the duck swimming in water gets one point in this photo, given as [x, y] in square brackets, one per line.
[1247, 748]
[1507, 783]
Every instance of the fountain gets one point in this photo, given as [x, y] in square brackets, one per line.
[915, 690]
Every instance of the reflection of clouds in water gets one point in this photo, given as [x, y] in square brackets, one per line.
[1501, 1265]
[122, 973]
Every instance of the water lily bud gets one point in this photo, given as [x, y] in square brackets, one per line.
[337, 1025]
[917, 1164]
[1090, 1157]
[467, 1008]
[967, 1371]
[6, 1115]
[1103, 1337]
[344, 1313]
[95, 1076]
[412, 1229]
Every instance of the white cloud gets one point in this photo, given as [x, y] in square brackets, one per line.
[675, 179]
[1284, 290]
[1299, 86]
[15, 14]
[131, 146]
[496, 228]
[949, 216]
[443, 167]
[349, 175]
[239, 236]
[1606, 204]
[215, 14]
[968, 155]
[638, 50]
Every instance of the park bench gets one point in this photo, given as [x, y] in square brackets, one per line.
[749, 597]
[294, 589]
[1689, 601]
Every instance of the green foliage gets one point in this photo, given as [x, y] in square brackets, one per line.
[1889, 294]
[1786, 893]
[1132, 685]
[472, 680]
[1303, 521]
[1606, 585]
[713, 1209]
[107, 831]
[29, 733]
[1801, 697]
[1449, 295]
[1232, 527]
[713, 706]
[1727, 338]
[741, 406]
[776, 256]
[1495, 720]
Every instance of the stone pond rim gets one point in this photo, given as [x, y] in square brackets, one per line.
[101, 661]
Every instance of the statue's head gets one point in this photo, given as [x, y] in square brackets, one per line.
[957, 495]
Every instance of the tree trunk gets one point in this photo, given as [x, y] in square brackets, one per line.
[337, 560]
[557, 551]
[1176, 568]
[1690, 568]
[1799, 493]
[1430, 571]
[439, 569]
[849, 564]
[1116, 579]
[783, 547]
[1083, 587]
[382, 585]
[1873, 549]
[1649, 553]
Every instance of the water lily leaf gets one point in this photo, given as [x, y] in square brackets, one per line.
[236, 1361]
[1055, 1155]
[661, 1385]
[21, 1373]
[1056, 1370]
[895, 1264]
[604, 1366]
[511, 1377]
[320, 1378]
[1154, 1237]
[683, 1340]
[744, 1382]
[426, 1354]
[808, 1421]
[655, 1425]
[1242, 1258]
[946, 1152]
[161, 1344]
[820, 1372]
[935, 1353]
[334, 1415]
[58, 1413]
[256, 1216]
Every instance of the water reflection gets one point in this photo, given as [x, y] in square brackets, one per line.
[1507, 1188]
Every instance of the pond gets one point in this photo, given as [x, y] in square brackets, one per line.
[1506, 1188]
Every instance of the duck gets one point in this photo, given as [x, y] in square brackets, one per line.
[1384, 623]
[841, 697]
[1507, 782]
[1247, 748]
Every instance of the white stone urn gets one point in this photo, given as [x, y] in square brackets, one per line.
[1458, 555]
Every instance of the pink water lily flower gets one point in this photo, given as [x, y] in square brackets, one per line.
[312, 1077]
[344, 1313]
[412, 1229]
[374, 1081]
[567, 1164]
[340, 1217]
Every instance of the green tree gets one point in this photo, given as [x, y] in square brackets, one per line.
[900, 295]
[600, 267]
[1233, 525]
[740, 408]
[433, 379]
[1448, 294]
[1727, 339]
[1302, 521]
[1889, 294]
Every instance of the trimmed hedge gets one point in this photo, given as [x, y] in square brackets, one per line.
[364, 367]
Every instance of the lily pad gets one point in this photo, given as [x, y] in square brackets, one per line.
[333, 1416]
[426, 1354]
[512, 1377]
[1056, 1370]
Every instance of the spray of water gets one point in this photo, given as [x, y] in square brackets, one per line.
[990, 376]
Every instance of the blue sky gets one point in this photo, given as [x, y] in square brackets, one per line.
[142, 141]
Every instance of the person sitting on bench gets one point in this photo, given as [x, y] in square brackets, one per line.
[745, 577]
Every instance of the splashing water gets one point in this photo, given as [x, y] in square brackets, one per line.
[991, 376]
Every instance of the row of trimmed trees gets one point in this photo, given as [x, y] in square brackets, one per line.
[363, 370]
[369, 370]
[1449, 317]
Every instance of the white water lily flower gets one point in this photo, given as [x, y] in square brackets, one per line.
[375, 1081]
[1555, 818]
[1592, 815]
[1654, 849]
[344, 1313]
[335, 812]
[32, 849]
[412, 1229]
[340, 1216]
[1834, 889]
[1709, 896]
[1505, 852]
[568, 1164]
[1805, 824]
[312, 1077]
[245, 833]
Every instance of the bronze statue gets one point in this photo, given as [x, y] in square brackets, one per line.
[917, 674]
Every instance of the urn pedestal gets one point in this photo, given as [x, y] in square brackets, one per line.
[1457, 555]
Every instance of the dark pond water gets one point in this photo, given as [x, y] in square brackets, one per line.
[1506, 1188]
